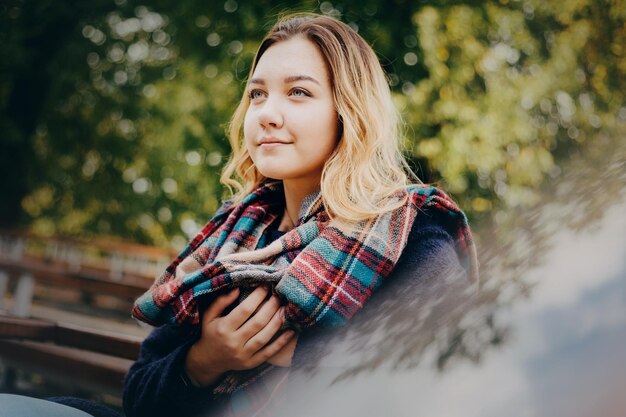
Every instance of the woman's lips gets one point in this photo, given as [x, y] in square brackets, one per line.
[272, 144]
[268, 143]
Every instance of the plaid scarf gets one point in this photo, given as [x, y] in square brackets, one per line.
[323, 273]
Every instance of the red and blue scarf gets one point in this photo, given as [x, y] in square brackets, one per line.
[324, 273]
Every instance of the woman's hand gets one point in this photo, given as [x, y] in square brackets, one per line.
[238, 340]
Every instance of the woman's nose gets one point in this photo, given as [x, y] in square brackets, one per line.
[270, 114]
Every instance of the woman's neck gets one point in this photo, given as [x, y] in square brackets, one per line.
[295, 192]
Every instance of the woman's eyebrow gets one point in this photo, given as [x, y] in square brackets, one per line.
[290, 79]
[301, 78]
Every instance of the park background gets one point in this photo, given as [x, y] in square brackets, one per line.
[113, 113]
[112, 126]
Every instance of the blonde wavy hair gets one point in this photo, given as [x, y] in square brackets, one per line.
[367, 167]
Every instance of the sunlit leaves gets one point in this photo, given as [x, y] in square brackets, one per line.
[125, 132]
[494, 106]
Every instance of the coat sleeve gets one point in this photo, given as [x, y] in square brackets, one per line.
[156, 384]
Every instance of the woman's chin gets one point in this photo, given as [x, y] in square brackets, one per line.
[274, 173]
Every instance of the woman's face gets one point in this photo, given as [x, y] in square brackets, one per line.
[290, 128]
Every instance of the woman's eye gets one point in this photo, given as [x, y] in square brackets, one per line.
[298, 92]
[254, 94]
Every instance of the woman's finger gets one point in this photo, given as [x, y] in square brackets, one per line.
[217, 307]
[285, 355]
[265, 334]
[247, 308]
[260, 319]
[273, 348]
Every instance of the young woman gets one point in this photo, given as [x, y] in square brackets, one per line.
[324, 211]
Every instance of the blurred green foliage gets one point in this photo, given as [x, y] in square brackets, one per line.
[113, 113]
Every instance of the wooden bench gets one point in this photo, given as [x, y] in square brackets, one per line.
[29, 271]
[104, 267]
[113, 256]
[90, 358]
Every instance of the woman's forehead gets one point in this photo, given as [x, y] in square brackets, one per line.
[290, 60]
